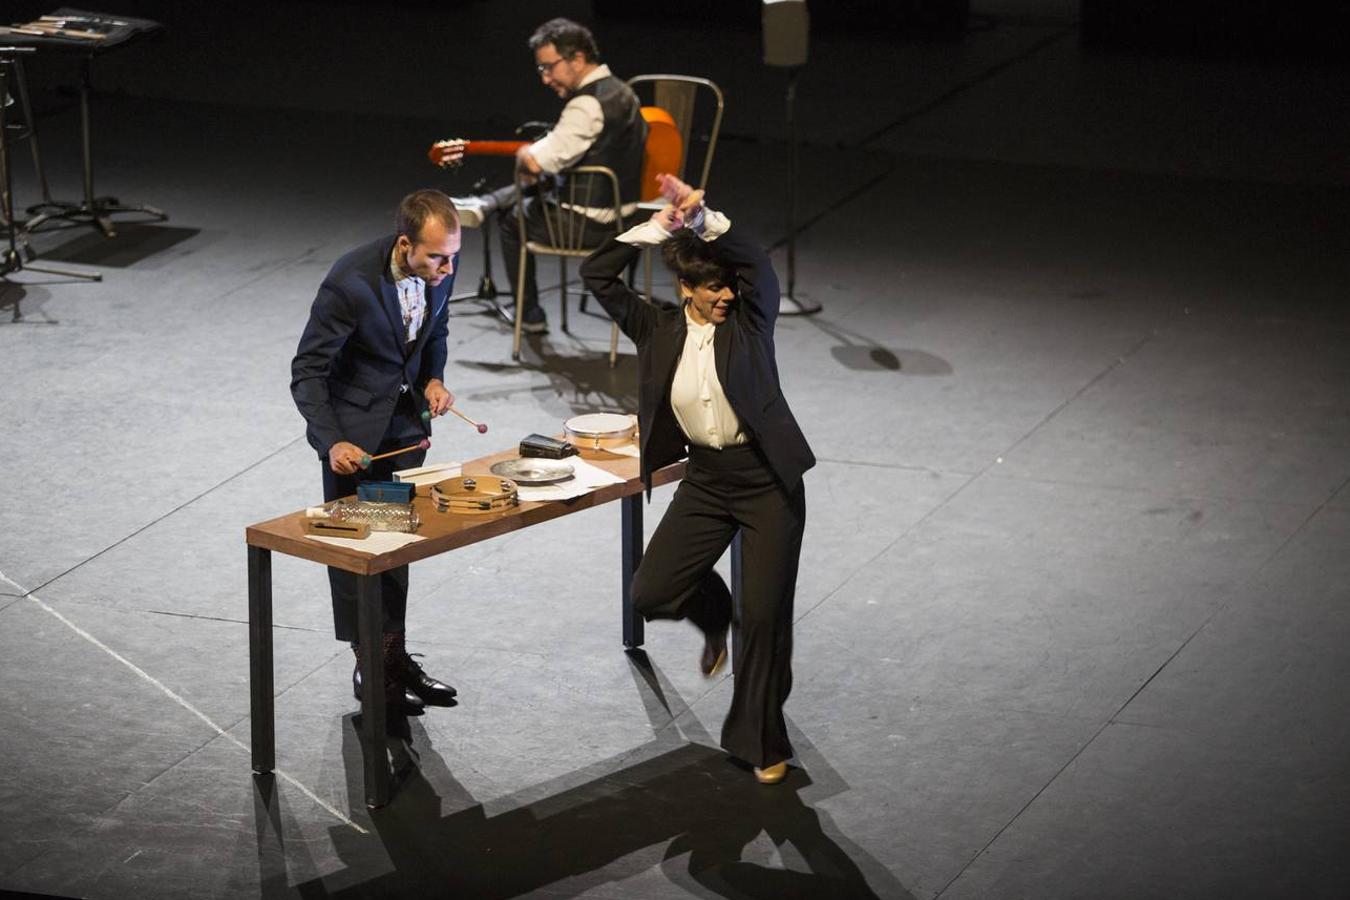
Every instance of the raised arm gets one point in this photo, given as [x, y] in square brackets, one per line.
[757, 284]
[603, 273]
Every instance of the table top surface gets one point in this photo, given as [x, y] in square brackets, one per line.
[448, 531]
[118, 31]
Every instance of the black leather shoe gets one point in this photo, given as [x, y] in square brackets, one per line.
[428, 689]
[404, 702]
[714, 653]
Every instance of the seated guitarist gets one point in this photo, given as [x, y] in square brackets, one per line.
[601, 125]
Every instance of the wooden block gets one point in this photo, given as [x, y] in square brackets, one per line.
[329, 528]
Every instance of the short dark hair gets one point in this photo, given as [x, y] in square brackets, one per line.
[567, 37]
[415, 209]
[695, 261]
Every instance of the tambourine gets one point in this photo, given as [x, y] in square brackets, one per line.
[474, 494]
[594, 433]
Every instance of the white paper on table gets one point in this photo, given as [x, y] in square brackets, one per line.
[585, 478]
[378, 541]
[428, 474]
[624, 450]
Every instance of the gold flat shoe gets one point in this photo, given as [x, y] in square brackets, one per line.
[773, 774]
[714, 654]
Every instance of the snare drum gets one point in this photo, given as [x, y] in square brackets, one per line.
[474, 494]
[594, 433]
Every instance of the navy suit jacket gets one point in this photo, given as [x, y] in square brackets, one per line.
[742, 347]
[353, 357]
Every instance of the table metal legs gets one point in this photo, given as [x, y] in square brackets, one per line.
[631, 539]
[370, 632]
[261, 712]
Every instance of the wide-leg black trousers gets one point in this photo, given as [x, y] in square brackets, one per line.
[724, 491]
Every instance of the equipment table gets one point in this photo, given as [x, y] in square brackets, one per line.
[442, 532]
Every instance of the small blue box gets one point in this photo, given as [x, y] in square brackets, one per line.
[385, 491]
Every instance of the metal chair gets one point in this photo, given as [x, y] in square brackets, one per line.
[679, 95]
[592, 187]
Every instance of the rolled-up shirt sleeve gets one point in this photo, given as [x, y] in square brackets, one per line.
[578, 127]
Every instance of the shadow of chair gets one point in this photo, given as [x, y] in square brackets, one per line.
[569, 234]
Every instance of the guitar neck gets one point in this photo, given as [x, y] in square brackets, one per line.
[493, 148]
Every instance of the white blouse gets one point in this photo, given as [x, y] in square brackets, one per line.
[696, 395]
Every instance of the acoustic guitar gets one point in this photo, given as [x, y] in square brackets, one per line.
[664, 150]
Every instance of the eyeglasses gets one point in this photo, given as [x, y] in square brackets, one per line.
[547, 68]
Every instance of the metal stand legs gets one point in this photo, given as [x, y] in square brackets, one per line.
[18, 234]
[92, 210]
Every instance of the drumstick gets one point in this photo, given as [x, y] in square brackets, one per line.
[482, 429]
[420, 445]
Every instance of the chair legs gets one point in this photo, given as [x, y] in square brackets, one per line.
[562, 296]
[562, 290]
[520, 303]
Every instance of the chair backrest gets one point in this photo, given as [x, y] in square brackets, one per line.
[581, 187]
[678, 95]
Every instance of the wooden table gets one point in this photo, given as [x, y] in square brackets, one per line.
[442, 532]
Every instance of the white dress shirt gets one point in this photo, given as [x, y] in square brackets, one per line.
[412, 298]
[696, 394]
[577, 128]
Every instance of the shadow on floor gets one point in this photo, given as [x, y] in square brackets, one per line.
[135, 243]
[687, 809]
[577, 373]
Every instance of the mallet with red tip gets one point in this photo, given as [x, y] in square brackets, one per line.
[482, 429]
[423, 444]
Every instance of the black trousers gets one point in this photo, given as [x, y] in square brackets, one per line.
[724, 491]
[393, 583]
[592, 234]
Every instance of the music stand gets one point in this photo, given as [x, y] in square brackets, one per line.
[118, 31]
[13, 260]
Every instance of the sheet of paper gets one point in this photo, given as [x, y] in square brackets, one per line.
[585, 478]
[378, 542]
[624, 450]
[428, 474]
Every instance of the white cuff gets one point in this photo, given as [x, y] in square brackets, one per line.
[649, 234]
[715, 224]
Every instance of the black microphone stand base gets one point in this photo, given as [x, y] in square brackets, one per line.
[487, 292]
[789, 305]
[98, 214]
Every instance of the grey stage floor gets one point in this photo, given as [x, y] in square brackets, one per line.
[1073, 608]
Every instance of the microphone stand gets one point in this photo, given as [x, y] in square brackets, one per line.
[13, 260]
[487, 292]
[789, 304]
